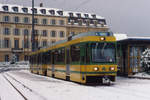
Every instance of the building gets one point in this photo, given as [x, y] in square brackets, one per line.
[129, 53]
[51, 25]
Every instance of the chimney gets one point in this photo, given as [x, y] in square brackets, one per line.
[41, 4]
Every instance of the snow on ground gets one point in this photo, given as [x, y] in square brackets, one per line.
[7, 92]
[55, 89]
[142, 75]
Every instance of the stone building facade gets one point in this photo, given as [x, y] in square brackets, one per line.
[51, 25]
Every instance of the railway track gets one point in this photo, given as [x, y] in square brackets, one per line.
[15, 87]
[38, 96]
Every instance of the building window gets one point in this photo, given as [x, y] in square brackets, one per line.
[79, 15]
[102, 21]
[94, 16]
[35, 11]
[25, 10]
[6, 31]
[35, 21]
[60, 12]
[72, 33]
[26, 43]
[16, 43]
[26, 32]
[43, 11]
[53, 33]
[61, 22]
[6, 18]
[87, 22]
[17, 57]
[53, 22]
[6, 43]
[26, 58]
[26, 20]
[5, 8]
[86, 15]
[80, 22]
[16, 19]
[52, 12]
[44, 21]
[6, 58]
[44, 43]
[71, 14]
[16, 31]
[44, 33]
[15, 9]
[36, 31]
[62, 33]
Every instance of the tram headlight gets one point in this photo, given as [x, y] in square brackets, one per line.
[102, 38]
[112, 68]
[96, 68]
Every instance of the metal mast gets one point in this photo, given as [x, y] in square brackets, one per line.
[33, 31]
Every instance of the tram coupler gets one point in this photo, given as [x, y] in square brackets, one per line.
[106, 80]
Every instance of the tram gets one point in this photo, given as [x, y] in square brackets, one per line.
[83, 58]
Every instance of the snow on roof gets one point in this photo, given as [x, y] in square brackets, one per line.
[125, 37]
[139, 38]
[65, 13]
[120, 36]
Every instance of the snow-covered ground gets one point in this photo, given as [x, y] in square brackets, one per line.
[46, 88]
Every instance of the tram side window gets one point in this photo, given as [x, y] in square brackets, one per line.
[43, 58]
[34, 59]
[75, 53]
[60, 56]
[48, 57]
[39, 58]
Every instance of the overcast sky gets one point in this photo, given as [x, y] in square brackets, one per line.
[124, 16]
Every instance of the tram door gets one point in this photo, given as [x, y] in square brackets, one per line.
[67, 63]
[53, 67]
[85, 57]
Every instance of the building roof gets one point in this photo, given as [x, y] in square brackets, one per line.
[124, 37]
[46, 11]
[120, 36]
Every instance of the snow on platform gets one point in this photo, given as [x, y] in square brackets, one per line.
[55, 89]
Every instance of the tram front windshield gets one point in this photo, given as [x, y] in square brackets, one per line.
[103, 52]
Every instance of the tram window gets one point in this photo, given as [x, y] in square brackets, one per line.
[75, 53]
[48, 57]
[39, 58]
[60, 56]
[43, 58]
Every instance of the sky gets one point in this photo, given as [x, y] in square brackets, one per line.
[131, 17]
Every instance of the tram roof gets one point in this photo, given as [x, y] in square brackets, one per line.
[83, 35]
[78, 36]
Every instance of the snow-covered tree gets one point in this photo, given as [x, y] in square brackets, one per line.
[145, 60]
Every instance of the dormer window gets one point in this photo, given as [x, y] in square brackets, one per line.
[25, 10]
[71, 14]
[102, 21]
[43, 11]
[5, 8]
[94, 16]
[95, 23]
[86, 15]
[80, 22]
[79, 15]
[60, 12]
[52, 12]
[15, 9]
[35, 11]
